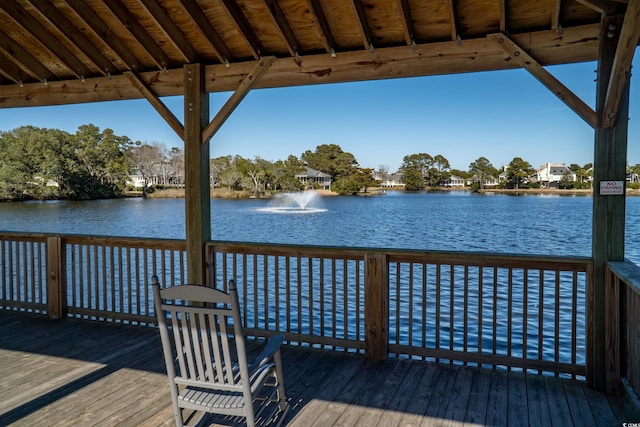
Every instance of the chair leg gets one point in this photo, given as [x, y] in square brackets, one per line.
[280, 380]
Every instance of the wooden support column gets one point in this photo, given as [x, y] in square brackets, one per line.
[376, 306]
[609, 166]
[196, 153]
[56, 278]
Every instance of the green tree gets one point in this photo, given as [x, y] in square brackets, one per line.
[582, 174]
[284, 174]
[439, 171]
[346, 174]
[145, 159]
[567, 180]
[518, 172]
[415, 169]
[481, 170]
[217, 168]
[99, 166]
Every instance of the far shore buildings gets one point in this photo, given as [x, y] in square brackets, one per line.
[312, 178]
[551, 175]
[389, 180]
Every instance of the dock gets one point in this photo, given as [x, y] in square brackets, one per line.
[74, 372]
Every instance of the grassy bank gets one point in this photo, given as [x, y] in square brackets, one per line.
[222, 193]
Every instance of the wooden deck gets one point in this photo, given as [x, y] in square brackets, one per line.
[70, 372]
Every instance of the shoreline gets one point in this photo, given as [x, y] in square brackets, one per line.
[227, 194]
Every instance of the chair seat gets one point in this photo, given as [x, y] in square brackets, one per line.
[212, 399]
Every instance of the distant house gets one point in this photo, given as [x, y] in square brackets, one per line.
[312, 178]
[162, 174]
[551, 174]
[389, 180]
[633, 177]
[489, 181]
[453, 181]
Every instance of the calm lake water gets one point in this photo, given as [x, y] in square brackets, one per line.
[451, 221]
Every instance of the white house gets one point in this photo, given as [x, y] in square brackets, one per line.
[389, 180]
[453, 181]
[550, 175]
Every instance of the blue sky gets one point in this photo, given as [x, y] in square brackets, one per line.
[498, 115]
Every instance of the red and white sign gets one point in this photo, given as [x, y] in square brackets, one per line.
[609, 188]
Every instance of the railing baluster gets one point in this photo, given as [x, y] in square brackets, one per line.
[288, 291]
[556, 349]
[334, 298]
[574, 320]
[465, 331]
[345, 298]
[438, 299]
[321, 293]
[310, 294]
[494, 340]
[525, 316]
[452, 311]
[510, 313]
[480, 309]
[276, 274]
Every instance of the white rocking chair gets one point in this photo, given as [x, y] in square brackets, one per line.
[204, 351]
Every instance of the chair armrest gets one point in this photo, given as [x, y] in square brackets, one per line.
[272, 346]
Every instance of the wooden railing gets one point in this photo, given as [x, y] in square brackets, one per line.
[520, 312]
[478, 309]
[97, 278]
[623, 326]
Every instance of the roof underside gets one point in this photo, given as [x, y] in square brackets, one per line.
[71, 51]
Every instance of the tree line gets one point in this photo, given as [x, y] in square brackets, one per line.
[38, 163]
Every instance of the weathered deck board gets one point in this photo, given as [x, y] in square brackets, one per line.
[77, 373]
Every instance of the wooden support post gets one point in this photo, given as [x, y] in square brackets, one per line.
[612, 339]
[196, 154]
[376, 307]
[609, 165]
[56, 278]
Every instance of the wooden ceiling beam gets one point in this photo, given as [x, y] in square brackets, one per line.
[285, 30]
[555, 14]
[171, 30]
[527, 62]
[11, 71]
[598, 5]
[73, 35]
[27, 61]
[363, 24]
[407, 22]
[453, 20]
[135, 28]
[502, 7]
[245, 28]
[250, 81]
[323, 26]
[621, 70]
[31, 26]
[207, 30]
[103, 32]
[478, 54]
[156, 103]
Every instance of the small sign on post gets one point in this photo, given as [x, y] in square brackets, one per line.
[611, 188]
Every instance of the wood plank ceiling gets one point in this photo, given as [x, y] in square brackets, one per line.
[72, 51]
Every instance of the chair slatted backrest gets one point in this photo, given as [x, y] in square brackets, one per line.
[207, 336]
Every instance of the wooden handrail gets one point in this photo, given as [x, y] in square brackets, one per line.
[524, 312]
[622, 317]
